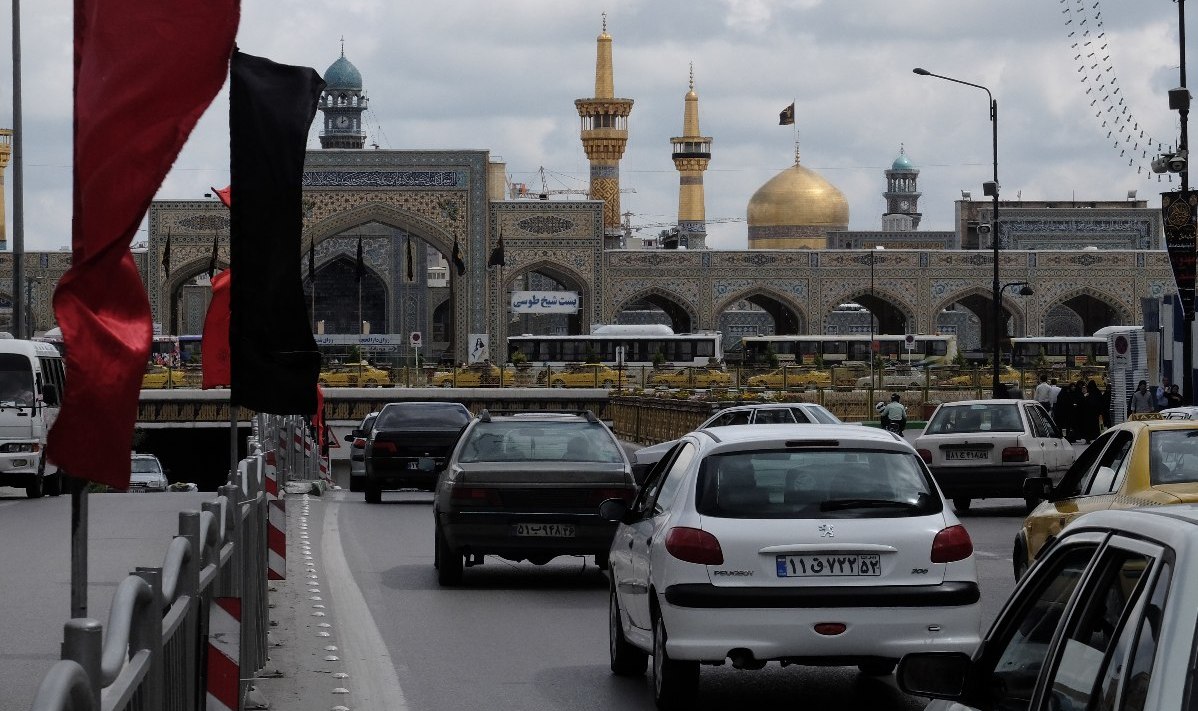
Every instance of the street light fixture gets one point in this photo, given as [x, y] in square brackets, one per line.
[989, 188]
[1025, 290]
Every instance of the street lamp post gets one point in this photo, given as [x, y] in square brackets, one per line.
[989, 188]
[1026, 290]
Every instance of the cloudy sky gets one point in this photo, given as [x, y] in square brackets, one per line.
[503, 76]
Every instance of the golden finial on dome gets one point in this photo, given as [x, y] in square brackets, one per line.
[692, 79]
[604, 33]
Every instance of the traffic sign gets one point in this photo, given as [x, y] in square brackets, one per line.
[414, 339]
[1121, 352]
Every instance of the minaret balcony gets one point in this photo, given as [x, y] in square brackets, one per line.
[691, 155]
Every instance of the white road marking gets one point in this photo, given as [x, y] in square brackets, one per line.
[376, 685]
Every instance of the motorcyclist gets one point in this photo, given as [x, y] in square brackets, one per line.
[894, 415]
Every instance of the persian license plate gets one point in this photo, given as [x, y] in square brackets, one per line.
[546, 530]
[829, 564]
[966, 455]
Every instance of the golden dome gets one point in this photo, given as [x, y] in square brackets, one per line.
[796, 209]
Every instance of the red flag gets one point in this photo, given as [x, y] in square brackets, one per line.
[318, 418]
[215, 344]
[156, 65]
[226, 195]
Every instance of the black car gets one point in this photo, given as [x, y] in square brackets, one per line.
[410, 444]
[357, 452]
[528, 487]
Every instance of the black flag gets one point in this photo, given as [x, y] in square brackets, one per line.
[411, 269]
[496, 259]
[787, 117]
[312, 263]
[360, 266]
[166, 255]
[458, 264]
[212, 259]
[274, 360]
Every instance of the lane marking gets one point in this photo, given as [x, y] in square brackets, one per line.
[376, 685]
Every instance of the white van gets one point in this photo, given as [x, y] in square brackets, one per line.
[31, 385]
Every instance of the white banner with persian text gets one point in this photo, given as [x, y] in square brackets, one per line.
[545, 302]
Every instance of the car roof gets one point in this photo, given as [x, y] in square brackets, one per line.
[1176, 525]
[539, 417]
[988, 401]
[143, 455]
[1153, 425]
[844, 433]
[762, 406]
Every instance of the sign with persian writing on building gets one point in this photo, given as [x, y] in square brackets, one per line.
[1177, 210]
[544, 302]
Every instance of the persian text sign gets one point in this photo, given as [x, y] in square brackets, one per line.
[545, 302]
[1177, 210]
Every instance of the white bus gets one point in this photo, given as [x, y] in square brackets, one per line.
[834, 349]
[633, 344]
[32, 376]
[1066, 351]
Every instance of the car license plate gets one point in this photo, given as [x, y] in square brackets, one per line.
[546, 530]
[968, 455]
[832, 564]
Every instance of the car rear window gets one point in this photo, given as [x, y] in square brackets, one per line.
[968, 419]
[821, 414]
[815, 483]
[540, 442]
[422, 415]
[1173, 456]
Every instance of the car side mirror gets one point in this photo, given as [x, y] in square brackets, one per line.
[938, 675]
[1037, 487]
[613, 510]
[351, 436]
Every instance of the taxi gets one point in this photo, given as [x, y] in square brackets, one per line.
[354, 375]
[477, 375]
[790, 377]
[1006, 375]
[157, 377]
[690, 378]
[1138, 463]
[586, 375]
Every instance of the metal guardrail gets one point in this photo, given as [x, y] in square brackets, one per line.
[150, 655]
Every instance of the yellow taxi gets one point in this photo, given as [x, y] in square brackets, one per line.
[1138, 463]
[586, 375]
[157, 377]
[1006, 375]
[690, 378]
[478, 375]
[790, 378]
[354, 375]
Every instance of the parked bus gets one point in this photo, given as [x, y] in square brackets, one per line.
[633, 345]
[1059, 351]
[191, 350]
[914, 349]
[32, 377]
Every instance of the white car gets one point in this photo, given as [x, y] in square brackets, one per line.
[823, 544]
[980, 449]
[1105, 619]
[1185, 412]
[148, 474]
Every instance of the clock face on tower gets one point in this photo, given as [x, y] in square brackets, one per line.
[903, 205]
[342, 121]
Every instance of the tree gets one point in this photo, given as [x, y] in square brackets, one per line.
[659, 358]
[771, 356]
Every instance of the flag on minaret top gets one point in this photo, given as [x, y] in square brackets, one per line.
[787, 117]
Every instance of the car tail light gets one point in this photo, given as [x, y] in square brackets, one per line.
[694, 545]
[1014, 454]
[385, 447]
[951, 544]
[460, 495]
[359, 443]
[926, 454]
[625, 495]
[830, 628]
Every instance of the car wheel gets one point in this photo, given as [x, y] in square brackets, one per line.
[626, 660]
[53, 485]
[608, 383]
[877, 667]
[33, 489]
[374, 493]
[675, 682]
[449, 562]
[357, 483]
[1030, 504]
[1019, 564]
[446, 384]
[601, 560]
[962, 504]
[559, 383]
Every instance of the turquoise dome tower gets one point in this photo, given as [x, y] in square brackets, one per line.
[343, 102]
[902, 189]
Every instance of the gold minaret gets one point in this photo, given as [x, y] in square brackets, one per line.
[5, 154]
[692, 152]
[605, 134]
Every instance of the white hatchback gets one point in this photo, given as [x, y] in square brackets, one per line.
[820, 545]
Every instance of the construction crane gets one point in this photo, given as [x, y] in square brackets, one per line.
[521, 191]
[630, 228]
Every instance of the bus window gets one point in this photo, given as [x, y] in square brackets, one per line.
[705, 348]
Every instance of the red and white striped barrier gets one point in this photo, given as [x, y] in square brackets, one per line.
[224, 654]
[270, 468]
[323, 463]
[276, 539]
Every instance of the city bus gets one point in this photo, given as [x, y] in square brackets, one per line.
[835, 349]
[191, 349]
[632, 345]
[1059, 351]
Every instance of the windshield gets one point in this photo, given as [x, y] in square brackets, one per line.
[815, 483]
[540, 441]
[422, 415]
[982, 417]
[1173, 456]
[16, 380]
[146, 465]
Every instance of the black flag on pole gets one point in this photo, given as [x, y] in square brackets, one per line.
[496, 259]
[360, 266]
[459, 264]
[787, 117]
[411, 267]
[274, 360]
[212, 259]
[166, 255]
[312, 263]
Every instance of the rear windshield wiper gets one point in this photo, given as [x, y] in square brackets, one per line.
[841, 504]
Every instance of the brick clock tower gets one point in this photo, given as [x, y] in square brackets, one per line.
[902, 189]
[343, 103]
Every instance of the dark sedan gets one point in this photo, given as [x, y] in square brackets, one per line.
[528, 487]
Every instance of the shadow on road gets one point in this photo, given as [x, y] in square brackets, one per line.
[565, 573]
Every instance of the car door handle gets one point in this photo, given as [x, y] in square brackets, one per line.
[630, 542]
[649, 541]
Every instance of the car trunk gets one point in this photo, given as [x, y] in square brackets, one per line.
[969, 450]
[792, 552]
[576, 487]
[412, 443]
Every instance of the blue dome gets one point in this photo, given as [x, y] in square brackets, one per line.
[902, 163]
[342, 75]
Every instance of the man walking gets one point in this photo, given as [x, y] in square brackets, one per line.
[1043, 393]
[1141, 400]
